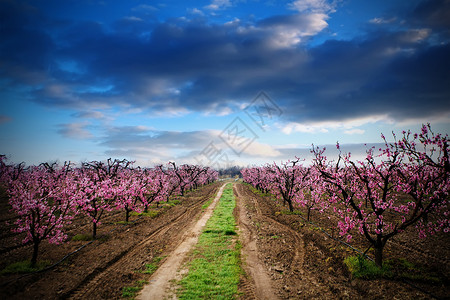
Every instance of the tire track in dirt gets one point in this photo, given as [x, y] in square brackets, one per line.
[260, 286]
[159, 282]
[89, 287]
[281, 243]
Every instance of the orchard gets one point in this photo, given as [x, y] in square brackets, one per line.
[48, 196]
[405, 183]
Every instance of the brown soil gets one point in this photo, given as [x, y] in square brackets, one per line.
[304, 263]
[283, 257]
[103, 268]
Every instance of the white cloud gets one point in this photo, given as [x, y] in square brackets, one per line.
[91, 114]
[350, 126]
[415, 35]
[262, 150]
[133, 19]
[290, 31]
[195, 11]
[75, 131]
[218, 4]
[145, 8]
[312, 6]
[354, 131]
[383, 20]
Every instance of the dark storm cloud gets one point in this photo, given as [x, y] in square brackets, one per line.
[192, 64]
[433, 13]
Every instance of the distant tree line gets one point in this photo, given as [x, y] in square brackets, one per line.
[231, 172]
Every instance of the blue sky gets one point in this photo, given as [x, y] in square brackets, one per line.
[154, 81]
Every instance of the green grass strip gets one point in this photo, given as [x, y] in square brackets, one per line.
[215, 267]
[23, 267]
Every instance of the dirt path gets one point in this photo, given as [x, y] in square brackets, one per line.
[160, 280]
[280, 254]
[261, 284]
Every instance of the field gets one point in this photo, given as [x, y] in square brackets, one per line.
[299, 260]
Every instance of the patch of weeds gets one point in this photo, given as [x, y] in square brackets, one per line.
[130, 292]
[275, 237]
[150, 213]
[82, 237]
[315, 228]
[404, 269]
[366, 269]
[153, 266]
[23, 267]
[207, 203]
[173, 202]
[123, 223]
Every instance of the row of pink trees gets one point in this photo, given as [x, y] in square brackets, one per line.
[296, 185]
[46, 197]
[404, 183]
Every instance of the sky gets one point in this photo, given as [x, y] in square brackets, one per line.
[217, 82]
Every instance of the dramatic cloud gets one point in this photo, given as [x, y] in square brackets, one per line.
[211, 59]
[207, 67]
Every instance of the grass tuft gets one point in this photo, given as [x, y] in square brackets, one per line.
[366, 269]
[153, 266]
[130, 292]
[392, 269]
[82, 237]
[150, 213]
[23, 267]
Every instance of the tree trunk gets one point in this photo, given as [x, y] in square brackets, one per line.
[127, 214]
[35, 253]
[94, 230]
[379, 256]
[291, 208]
[309, 214]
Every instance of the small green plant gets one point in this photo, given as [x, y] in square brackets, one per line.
[130, 292]
[23, 267]
[295, 212]
[173, 202]
[123, 223]
[207, 203]
[362, 268]
[82, 237]
[150, 213]
[153, 266]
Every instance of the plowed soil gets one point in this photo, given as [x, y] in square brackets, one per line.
[283, 256]
[103, 268]
[304, 263]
